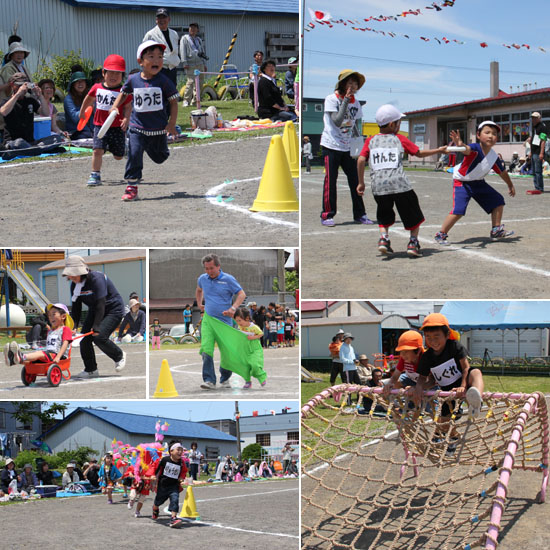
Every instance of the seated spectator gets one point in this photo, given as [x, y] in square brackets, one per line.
[70, 476]
[375, 382]
[15, 57]
[77, 91]
[514, 163]
[254, 470]
[28, 479]
[8, 474]
[270, 100]
[91, 473]
[265, 470]
[525, 168]
[545, 168]
[292, 469]
[290, 77]
[78, 471]
[38, 332]
[364, 369]
[47, 86]
[24, 100]
[132, 326]
[45, 475]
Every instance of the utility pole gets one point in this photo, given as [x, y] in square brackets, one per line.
[237, 415]
[281, 276]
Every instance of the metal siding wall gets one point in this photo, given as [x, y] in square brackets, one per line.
[100, 32]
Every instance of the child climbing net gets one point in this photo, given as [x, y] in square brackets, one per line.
[397, 481]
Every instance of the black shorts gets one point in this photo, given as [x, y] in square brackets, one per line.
[114, 141]
[406, 204]
[448, 406]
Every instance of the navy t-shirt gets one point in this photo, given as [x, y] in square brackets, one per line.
[97, 286]
[150, 98]
[445, 367]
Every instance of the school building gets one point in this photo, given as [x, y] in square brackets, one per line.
[429, 128]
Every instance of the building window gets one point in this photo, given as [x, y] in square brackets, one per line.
[264, 440]
[304, 108]
[2, 419]
[22, 426]
[293, 436]
[514, 127]
[318, 108]
[211, 453]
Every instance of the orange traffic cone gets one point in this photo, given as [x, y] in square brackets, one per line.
[290, 143]
[189, 508]
[276, 191]
[165, 383]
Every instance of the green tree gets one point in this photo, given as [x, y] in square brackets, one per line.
[26, 411]
[59, 70]
[254, 451]
[292, 282]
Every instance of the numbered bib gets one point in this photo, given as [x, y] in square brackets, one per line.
[172, 470]
[383, 158]
[148, 99]
[446, 373]
[104, 99]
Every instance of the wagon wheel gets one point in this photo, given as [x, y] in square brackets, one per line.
[188, 339]
[54, 375]
[209, 93]
[228, 90]
[167, 340]
[27, 378]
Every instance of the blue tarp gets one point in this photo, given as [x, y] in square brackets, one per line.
[464, 315]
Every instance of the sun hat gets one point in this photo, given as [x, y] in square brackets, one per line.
[9, 461]
[346, 73]
[133, 302]
[409, 340]
[75, 77]
[17, 47]
[75, 265]
[386, 114]
[27, 466]
[292, 60]
[149, 44]
[19, 78]
[114, 62]
[489, 123]
[363, 357]
[68, 319]
[70, 465]
[348, 335]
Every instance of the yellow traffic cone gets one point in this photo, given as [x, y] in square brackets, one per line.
[165, 383]
[189, 508]
[290, 143]
[276, 191]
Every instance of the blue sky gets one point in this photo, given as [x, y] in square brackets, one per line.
[196, 411]
[413, 74]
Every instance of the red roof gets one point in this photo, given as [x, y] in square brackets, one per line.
[501, 95]
[315, 306]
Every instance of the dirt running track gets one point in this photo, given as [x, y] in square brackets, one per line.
[281, 365]
[472, 267]
[172, 211]
[234, 515]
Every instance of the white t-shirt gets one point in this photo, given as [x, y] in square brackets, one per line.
[334, 137]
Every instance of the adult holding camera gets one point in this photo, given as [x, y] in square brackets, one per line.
[15, 57]
[193, 56]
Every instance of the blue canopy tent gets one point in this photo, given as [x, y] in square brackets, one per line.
[497, 315]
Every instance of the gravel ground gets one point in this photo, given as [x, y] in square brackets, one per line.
[126, 384]
[281, 365]
[234, 515]
[472, 267]
[172, 211]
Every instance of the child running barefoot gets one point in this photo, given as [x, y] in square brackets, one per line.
[156, 333]
[149, 122]
[104, 95]
[108, 475]
[468, 182]
[390, 186]
[170, 474]
[253, 332]
[446, 360]
[58, 340]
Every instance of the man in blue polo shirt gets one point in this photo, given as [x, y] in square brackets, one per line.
[217, 289]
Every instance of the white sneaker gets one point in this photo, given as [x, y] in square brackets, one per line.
[14, 348]
[208, 386]
[7, 358]
[225, 384]
[119, 365]
[86, 374]
[474, 402]
[185, 103]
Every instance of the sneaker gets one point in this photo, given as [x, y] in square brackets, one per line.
[175, 522]
[499, 232]
[225, 384]
[452, 446]
[364, 220]
[185, 103]
[473, 397]
[94, 180]
[119, 365]
[155, 514]
[14, 349]
[247, 386]
[131, 193]
[413, 248]
[329, 222]
[208, 386]
[110, 501]
[534, 192]
[263, 384]
[384, 246]
[8, 356]
[130, 504]
[87, 374]
[441, 238]
[138, 515]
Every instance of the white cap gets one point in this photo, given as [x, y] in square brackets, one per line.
[535, 114]
[386, 114]
[488, 123]
[148, 44]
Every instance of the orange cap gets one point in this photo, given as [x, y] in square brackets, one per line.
[439, 320]
[409, 340]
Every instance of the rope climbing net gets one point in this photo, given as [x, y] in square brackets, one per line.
[387, 474]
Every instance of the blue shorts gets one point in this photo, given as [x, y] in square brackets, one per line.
[114, 141]
[479, 190]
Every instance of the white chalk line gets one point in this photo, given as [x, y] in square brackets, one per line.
[220, 526]
[72, 381]
[248, 495]
[212, 194]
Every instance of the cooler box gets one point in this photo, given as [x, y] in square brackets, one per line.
[42, 127]
[46, 491]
